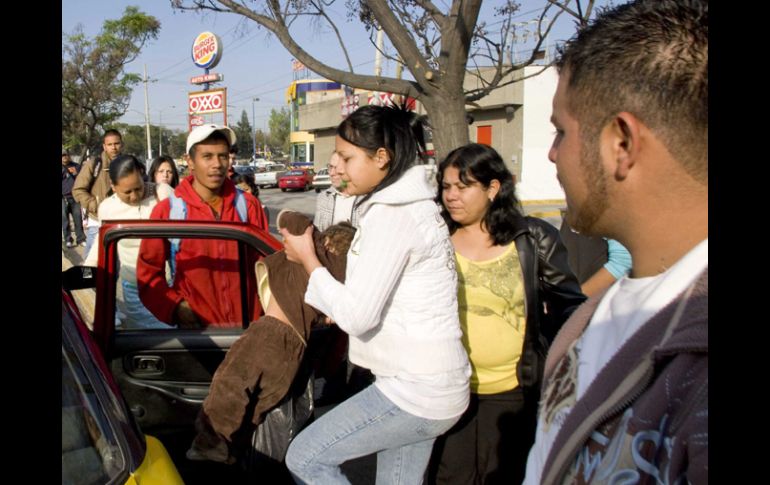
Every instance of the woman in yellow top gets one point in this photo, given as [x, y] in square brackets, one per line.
[515, 290]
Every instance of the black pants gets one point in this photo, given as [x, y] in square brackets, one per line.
[490, 443]
[69, 206]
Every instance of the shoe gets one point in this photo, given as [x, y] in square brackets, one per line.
[70, 244]
[81, 243]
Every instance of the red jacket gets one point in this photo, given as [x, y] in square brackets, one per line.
[206, 270]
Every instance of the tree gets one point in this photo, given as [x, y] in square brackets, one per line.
[95, 87]
[435, 43]
[279, 129]
[245, 136]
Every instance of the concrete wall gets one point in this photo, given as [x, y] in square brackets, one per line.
[538, 175]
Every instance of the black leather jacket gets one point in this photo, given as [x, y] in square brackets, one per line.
[552, 293]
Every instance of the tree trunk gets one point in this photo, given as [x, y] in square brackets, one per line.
[450, 128]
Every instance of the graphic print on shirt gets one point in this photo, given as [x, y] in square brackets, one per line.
[502, 281]
[560, 394]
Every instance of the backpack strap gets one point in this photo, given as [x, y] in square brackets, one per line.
[240, 205]
[178, 212]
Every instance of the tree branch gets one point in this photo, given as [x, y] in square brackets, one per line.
[336, 32]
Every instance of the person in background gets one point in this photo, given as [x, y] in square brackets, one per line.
[231, 161]
[597, 261]
[163, 171]
[69, 206]
[333, 205]
[206, 284]
[398, 305]
[92, 184]
[515, 290]
[245, 182]
[131, 198]
[625, 394]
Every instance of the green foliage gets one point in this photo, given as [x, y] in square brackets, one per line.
[95, 88]
[279, 129]
[245, 136]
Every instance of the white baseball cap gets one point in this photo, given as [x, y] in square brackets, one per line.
[200, 133]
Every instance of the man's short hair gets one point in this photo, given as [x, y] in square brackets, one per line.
[111, 132]
[650, 58]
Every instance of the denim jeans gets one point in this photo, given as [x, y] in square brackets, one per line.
[92, 232]
[364, 424]
[69, 206]
[135, 314]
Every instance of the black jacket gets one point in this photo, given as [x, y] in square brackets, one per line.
[552, 294]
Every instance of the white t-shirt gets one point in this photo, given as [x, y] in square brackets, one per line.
[628, 304]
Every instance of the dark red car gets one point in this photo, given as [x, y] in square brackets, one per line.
[296, 179]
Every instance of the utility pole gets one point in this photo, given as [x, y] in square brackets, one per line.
[147, 117]
[253, 130]
[378, 53]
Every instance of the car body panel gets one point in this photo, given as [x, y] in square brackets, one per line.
[322, 180]
[101, 442]
[296, 179]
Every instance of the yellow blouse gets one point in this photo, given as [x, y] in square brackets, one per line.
[490, 295]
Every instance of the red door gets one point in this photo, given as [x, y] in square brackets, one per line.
[484, 135]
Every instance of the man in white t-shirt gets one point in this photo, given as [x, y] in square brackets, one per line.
[625, 396]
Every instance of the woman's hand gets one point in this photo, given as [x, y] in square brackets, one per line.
[301, 249]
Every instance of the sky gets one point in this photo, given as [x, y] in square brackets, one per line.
[254, 63]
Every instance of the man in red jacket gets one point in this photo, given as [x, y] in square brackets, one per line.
[206, 286]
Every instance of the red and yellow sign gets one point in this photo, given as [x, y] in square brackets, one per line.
[206, 50]
[202, 102]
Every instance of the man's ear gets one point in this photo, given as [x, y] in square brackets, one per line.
[381, 158]
[622, 139]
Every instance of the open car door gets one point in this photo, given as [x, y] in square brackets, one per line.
[165, 373]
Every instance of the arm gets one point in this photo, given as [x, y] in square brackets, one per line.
[383, 253]
[618, 264]
[81, 190]
[154, 291]
[559, 289]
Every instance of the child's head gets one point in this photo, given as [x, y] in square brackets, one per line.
[337, 238]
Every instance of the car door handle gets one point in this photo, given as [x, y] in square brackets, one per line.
[147, 365]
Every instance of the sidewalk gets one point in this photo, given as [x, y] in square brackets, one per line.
[85, 299]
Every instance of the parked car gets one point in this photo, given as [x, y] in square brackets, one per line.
[322, 180]
[296, 179]
[101, 442]
[269, 176]
[244, 169]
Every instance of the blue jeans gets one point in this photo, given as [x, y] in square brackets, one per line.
[69, 206]
[364, 424]
[92, 232]
[135, 313]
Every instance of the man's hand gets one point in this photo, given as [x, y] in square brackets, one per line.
[184, 317]
[72, 170]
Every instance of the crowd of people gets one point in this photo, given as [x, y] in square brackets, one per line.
[481, 345]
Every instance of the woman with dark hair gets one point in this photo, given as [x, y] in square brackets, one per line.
[163, 171]
[398, 305]
[132, 198]
[515, 290]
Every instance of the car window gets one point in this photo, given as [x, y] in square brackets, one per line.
[206, 273]
[90, 451]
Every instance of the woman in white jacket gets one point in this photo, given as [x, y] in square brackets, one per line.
[131, 198]
[398, 304]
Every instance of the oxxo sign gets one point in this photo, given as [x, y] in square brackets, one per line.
[206, 102]
[206, 50]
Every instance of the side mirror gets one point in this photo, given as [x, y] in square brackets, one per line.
[78, 278]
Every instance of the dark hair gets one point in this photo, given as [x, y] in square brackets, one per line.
[649, 58]
[156, 165]
[234, 149]
[397, 130]
[484, 164]
[239, 178]
[111, 132]
[123, 166]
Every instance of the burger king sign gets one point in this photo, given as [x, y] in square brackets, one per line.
[206, 50]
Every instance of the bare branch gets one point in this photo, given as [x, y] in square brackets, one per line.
[476, 94]
[436, 14]
[336, 32]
